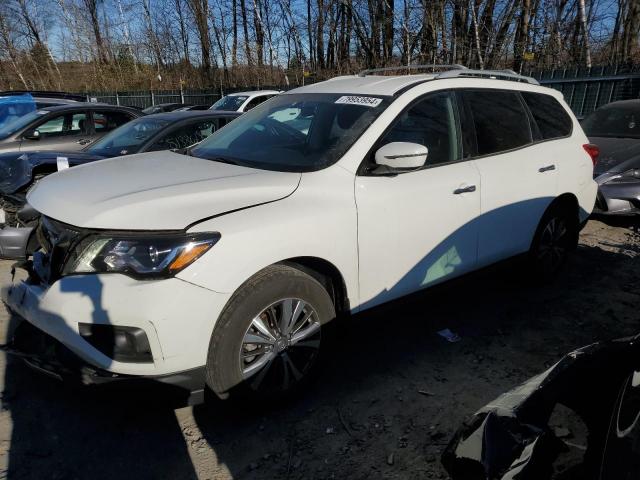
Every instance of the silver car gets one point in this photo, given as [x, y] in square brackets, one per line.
[615, 129]
[66, 127]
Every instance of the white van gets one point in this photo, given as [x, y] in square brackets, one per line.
[223, 265]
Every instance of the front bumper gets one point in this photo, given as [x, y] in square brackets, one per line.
[46, 355]
[618, 199]
[14, 242]
[177, 317]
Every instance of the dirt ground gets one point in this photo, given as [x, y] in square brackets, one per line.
[385, 404]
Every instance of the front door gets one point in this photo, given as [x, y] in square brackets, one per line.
[62, 132]
[418, 228]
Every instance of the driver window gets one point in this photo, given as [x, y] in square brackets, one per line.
[430, 122]
[185, 136]
[68, 124]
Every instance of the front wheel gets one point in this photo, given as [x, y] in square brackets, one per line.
[267, 342]
[556, 236]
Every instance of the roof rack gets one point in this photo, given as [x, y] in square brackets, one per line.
[495, 74]
[430, 66]
[455, 71]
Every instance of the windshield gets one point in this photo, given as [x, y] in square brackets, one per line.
[230, 103]
[16, 124]
[128, 138]
[294, 132]
[613, 122]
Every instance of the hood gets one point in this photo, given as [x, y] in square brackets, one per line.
[16, 168]
[155, 191]
[616, 154]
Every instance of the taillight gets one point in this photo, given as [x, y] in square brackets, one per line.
[593, 151]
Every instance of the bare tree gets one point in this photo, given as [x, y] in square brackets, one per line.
[585, 33]
[102, 50]
[200, 11]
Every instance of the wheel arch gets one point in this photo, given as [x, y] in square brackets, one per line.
[328, 275]
[567, 201]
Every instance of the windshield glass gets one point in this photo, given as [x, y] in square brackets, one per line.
[16, 124]
[230, 103]
[613, 122]
[128, 138]
[294, 132]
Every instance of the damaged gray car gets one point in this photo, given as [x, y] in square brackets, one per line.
[20, 171]
[615, 129]
[597, 386]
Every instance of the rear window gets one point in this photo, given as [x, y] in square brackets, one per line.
[500, 120]
[553, 121]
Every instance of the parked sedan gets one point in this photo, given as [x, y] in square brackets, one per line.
[65, 127]
[164, 107]
[615, 128]
[18, 171]
[243, 101]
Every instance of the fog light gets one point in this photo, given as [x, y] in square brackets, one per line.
[123, 344]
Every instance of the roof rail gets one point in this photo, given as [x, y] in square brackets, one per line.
[496, 74]
[430, 66]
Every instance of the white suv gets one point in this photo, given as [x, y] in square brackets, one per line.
[224, 265]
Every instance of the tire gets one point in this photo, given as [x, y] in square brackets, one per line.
[556, 236]
[285, 356]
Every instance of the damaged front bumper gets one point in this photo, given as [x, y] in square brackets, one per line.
[617, 198]
[171, 316]
[510, 438]
[45, 354]
[14, 242]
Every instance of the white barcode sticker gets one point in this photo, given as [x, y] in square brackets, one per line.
[362, 101]
[63, 163]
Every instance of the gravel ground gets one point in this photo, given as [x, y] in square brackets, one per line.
[388, 400]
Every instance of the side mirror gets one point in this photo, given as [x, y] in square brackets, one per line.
[402, 155]
[32, 135]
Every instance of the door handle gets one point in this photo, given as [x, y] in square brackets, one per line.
[469, 189]
[84, 141]
[548, 168]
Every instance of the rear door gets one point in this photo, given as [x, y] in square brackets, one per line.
[60, 132]
[418, 228]
[519, 177]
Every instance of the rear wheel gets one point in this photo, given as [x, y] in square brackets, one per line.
[556, 236]
[268, 340]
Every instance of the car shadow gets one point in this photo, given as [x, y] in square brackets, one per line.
[70, 430]
[390, 386]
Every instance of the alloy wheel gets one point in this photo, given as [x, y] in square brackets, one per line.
[554, 244]
[281, 345]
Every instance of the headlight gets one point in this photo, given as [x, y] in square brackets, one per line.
[630, 176]
[148, 256]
